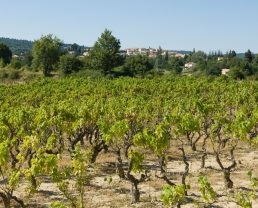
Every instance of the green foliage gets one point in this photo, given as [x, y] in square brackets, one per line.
[231, 54]
[69, 64]
[115, 132]
[27, 60]
[46, 52]
[4, 154]
[76, 49]
[159, 59]
[197, 57]
[137, 65]
[9, 73]
[17, 46]
[57, 204]
[236, 73]
[5, 54]
[2, 64]
[213, 68]
[244, 198]
[249, 56]
[253, 180]
[214, 62]
[175, 64]
[104, 55]
[3, 74]
[76, 170]
[207, 192]
[13, 74]
[136, 160]
[173, 195]
[42, 122]
[157, 140]
[15, 63]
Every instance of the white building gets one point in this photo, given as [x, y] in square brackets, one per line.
[86, 53]
[15, 56]
[179, 55]
[71, 52]
[225, 71]
[190, 65]
[132, 51]
[143, 51]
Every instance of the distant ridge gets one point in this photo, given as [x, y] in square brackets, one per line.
[17, 46]
[182, 51]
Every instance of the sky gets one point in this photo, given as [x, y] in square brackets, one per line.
[172, 24]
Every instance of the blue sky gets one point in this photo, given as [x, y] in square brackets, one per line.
[173, 24]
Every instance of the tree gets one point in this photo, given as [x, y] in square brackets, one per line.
[16, 63]
[105, 55]
[231, 54]
[249, 56]
[197, 56]
[236, 73]
[159, 59]
[166, 57]
[255, 64]
[175, 64]
[76, 49]
[2, 64]
[247, 68]
[5, 54]
[28, 58]
[69, 64]
[213, 68]
[137, 65]
[46, 52]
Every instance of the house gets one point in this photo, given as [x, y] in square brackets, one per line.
[122, 53]
[153, 54]
[220, 58]
[71, 52]
[225, 71]
[15, 56]
[86, 53]
[179, 55]
[190, 65]
[153, 50]
[143, 51]
[132, 51]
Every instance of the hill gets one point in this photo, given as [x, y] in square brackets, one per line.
[182, 52]
[17, 46]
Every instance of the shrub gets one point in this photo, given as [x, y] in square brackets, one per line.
[69, 64]
[2, 64]
[207, 192]
[173, 195]
[3, 74]
[15, 64]
[236, 73]
[13, 74]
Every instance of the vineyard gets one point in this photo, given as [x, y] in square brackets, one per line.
[128, 142]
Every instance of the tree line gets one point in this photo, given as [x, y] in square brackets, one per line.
[48, 54]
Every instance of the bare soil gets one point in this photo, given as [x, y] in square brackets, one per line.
[101, 193]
